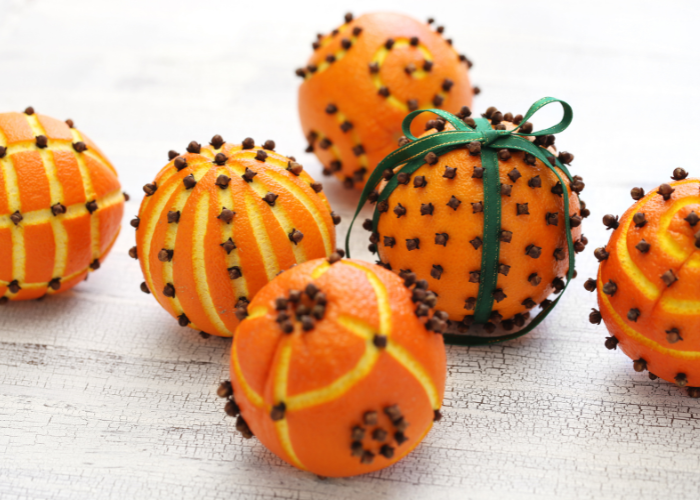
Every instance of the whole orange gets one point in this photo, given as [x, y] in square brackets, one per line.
[61, 206]
[647, 282]
[364, 77]
[222, 220]
[334, 369]
[432, 225]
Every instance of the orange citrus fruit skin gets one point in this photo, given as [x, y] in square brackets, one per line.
[637, 276]
[204, 291]
[458, 257]
[44, 247]
[349, 85]
[305, 369]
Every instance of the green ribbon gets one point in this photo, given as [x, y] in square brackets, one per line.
[410, 158]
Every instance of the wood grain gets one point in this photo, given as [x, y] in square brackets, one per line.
[102, 395]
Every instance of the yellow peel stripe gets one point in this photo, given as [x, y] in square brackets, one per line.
[282, 218]
[335, 152]
[59, 232]
[149, 225]
[379, 58]
[55, 192]
[72, 211]
[169, 243]
[320, 270]
[694, 261]
[84, 172]
[252, 396]
[382, 298]
[679, 306]
[89, 195]
[357, 327]
[631, 269]
[58, 145]
[668, 244]
[11, 188]
[345, 382]
[23, 147]
[308, 204]
[55, 188]
[257, 312]
[283, 435]
[267, 253]
[60, 236]
[638, 337]
[200, 264]
[32, 286]
[19, 255]
[324, 65]
[17, 232]
[257, 224]
[329, 38]
[280, 394]
[682, 306]
[240, 285]
[163, 176]
[416, 369]
[278, 211]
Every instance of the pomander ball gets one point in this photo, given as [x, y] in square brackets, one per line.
[61, 206]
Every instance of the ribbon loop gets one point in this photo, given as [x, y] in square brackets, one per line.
[554, 129]
[454, 121]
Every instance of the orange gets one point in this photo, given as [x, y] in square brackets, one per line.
[61, 206]
[364, 77]
[433, 222]
[647, 282]
[334, 369]
[221, 221]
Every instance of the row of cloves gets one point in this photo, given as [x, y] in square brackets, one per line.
[425, 301]
[225, 391]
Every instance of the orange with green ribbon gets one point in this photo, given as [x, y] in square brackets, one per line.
[410, 158]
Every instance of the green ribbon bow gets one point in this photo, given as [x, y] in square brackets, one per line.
[411, 157]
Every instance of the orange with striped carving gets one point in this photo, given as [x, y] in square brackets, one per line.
[361, 81]
[61, 206]
[334, 369]
[647, 282]
[222, 220]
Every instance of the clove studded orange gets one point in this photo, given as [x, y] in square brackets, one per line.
[647, 282]
[339, 367]
[61, 206]
[222, 220]
[433, 222]
[364, 77]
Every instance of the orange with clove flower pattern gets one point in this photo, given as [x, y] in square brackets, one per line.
[339, 368]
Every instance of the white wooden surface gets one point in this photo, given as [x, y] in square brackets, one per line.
[102, 395]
